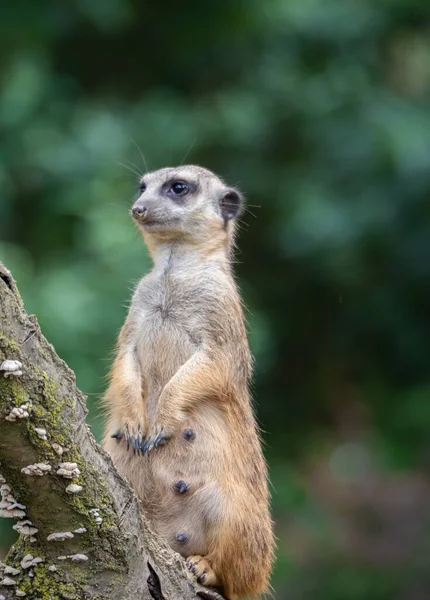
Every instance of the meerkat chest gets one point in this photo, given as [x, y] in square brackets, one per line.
[167, 324]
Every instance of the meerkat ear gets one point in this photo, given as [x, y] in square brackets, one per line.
[231, 204]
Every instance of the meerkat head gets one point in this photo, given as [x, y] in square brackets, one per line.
[186, 203]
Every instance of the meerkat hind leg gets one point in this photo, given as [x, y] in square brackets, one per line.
[201, 568]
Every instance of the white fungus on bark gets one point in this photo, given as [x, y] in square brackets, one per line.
[78, 557]
[11, 571]
[11, 368]
[74, 557]
[7, 581]
[18, 412]
[95, 513]
[73, 488]
[14, 513]
[20, 593]
[52, 568]
[9, 507]
[69, 466]
[12, 374]
[68, 470]
[80, 530]
[25, 528]
[41, 433]
[60, 536]
[17, 505]
[29, 561]
[57, 448]
[38, 469]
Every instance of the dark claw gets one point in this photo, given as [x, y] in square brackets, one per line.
[201, 578]
[146, 445]
[135, 441]
[150, 447]
[191, 566]
[139, 439]
[158, 439]
[151, 443]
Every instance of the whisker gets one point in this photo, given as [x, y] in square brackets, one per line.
[246, 209]
[135, 166]
[145, 164]
[242, 223]
[138, 175]
[188, 151]
[131, 176]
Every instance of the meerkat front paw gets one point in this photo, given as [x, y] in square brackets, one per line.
[164, 427]
[157, 435]
[201, 568]
[133, 437]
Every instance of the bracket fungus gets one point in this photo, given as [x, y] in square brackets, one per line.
[38, 469]
[11, 368]
[68, 470]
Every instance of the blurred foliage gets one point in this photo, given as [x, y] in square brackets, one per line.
[319, 111]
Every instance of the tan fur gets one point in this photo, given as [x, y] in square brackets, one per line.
[183, 363]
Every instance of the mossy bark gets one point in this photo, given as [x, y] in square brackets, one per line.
[119, 547]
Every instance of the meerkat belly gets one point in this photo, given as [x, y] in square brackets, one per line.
[186, 478]
[178, 483]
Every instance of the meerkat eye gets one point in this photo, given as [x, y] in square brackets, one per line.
[142, 186]
[179, 188]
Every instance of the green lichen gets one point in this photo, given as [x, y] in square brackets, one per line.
[46, 585]
[95, 493]
[8, 348]
[12, 392]
[43, 353]
[50, 412]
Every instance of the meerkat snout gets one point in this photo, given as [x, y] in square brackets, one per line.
[139, 212]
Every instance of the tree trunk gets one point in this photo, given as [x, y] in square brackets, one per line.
[57, 480]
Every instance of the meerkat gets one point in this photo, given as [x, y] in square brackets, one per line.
[180, 422]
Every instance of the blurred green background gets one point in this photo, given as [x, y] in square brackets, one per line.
[319, 111]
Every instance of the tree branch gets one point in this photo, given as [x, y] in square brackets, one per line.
[69, 486]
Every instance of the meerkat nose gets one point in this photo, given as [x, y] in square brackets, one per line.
[139, 212]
